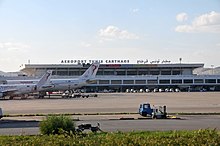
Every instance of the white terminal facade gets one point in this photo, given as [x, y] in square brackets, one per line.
[120, 77]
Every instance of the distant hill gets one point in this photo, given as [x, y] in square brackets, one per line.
[207, 71]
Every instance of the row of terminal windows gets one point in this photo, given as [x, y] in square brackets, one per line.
[177, 81]
[117, 72]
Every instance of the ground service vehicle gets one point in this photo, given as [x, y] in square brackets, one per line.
[155, 112]
[68, 94]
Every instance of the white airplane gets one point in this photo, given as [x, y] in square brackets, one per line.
[66, 84]
[12, 90]
[87, 77]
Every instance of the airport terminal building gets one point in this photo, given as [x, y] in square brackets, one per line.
[120, 75]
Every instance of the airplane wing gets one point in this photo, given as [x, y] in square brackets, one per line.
[7, 90]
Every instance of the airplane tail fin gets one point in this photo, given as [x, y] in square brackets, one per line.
[90, 73]
[44, 79]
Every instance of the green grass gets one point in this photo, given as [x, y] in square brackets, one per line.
[198, 137]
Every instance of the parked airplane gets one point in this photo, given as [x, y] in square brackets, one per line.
[87, 77]
[12, 90]
[67, 84]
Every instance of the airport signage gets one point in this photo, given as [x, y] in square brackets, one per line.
[146, 61]
[115, 61]
[107, 61]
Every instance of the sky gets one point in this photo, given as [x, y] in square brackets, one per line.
[48, 31]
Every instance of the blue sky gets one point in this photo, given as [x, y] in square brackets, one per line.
[47, 31]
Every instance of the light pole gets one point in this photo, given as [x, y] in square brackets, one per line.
[180, 59]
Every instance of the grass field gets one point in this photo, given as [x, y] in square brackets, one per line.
[198, 137]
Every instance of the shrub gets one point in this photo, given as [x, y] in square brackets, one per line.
[57, 125]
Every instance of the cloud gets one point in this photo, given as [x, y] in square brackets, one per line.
[12, 46]
[85, 44]
[181, 17]
[209, 23]
[184, 28]
[136, 10]
[213, 18]
[114, 33]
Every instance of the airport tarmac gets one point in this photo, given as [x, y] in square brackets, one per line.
[193, 122]
[183, 102]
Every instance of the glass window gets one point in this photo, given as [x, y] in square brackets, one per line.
[116, 81]
[109, 73]
[152, 81]
[74, 73]
[198, 80]
[165, 72]
[120, 73]
[176, 72]
[186, 81]
[143, 73]
[99, 72]
[103, 81]
[154, 72]
[164, 81]
[210, 80]
[176, 81]
[140, 81]
[128, 82]
[131, 72]
[62, 73]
